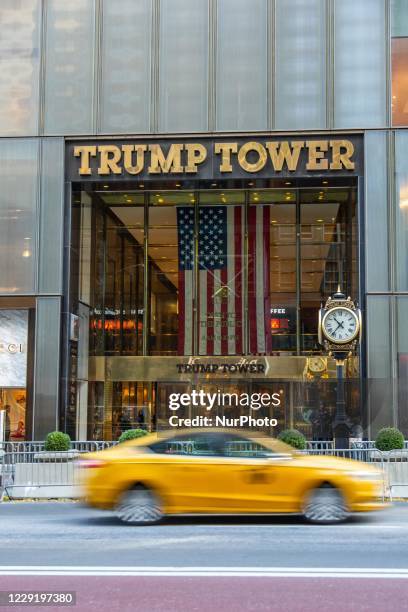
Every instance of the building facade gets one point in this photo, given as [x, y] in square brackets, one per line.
[182, 185]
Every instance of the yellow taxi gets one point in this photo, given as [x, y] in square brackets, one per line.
[215, 471]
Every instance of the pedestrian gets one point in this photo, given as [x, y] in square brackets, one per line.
[7, 423]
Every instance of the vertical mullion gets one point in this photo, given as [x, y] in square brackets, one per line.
[270, 62]
[196, 279]
[146, 312]
[245, 322]
[298, 272]
[212, 61]
[330, 64]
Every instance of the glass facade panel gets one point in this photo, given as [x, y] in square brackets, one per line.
[108, 270]
[376, 211]
[399, 15]
[69, 67]
[18, 215]
[241, 82]
[51, 216]
[402, 362]
[300, 73]
[125, 56]
[328, 254]
[221, 275]
[171, 273]
[19, 67]
[47, 366]
[399, 58]
[183, 85]
[359, 64]
[401, 212]
[379, 384]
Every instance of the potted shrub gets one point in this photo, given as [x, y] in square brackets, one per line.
[57, 445]
[132, 434]
[389, 438]
[294, 438]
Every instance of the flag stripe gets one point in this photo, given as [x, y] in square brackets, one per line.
[188, 313]
[203, 332]
[210, 313]
[226, 313]
[181, 308]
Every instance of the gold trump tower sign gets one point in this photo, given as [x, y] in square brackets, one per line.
[214, 158]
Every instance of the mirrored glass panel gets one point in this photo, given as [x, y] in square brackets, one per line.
[241, 82]
[183, 74]
[69, 67]
[399, 59]
[300, 64]
[18, 215]
[359, 63]
[125, 57]
[401, 212]
[19, 67]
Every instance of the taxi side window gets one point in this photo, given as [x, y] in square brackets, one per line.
[242, 447]
[203, 445]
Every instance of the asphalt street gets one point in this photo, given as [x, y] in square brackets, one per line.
[71, 534]
[204, 564]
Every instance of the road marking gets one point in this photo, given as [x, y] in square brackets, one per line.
[280, 572]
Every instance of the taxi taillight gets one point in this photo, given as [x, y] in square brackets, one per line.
[91, 463]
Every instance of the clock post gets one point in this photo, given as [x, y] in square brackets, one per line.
[339, 332]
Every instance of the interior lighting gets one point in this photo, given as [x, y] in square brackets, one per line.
[320, 220]
[106, 186]
[141, 185]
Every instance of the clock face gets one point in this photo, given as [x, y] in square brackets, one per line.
[340, 325]
[317, 364]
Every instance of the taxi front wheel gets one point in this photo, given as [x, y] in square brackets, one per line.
[325, 505]
[139, 506]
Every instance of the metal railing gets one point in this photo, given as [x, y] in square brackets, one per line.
[25, 465]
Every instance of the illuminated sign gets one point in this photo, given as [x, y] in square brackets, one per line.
[211, 158]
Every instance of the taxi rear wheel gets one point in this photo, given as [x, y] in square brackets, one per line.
[325, 505]
[139, 506]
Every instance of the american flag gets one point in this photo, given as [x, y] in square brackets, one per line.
[220, 313]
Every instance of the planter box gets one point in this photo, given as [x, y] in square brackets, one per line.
[56, 456]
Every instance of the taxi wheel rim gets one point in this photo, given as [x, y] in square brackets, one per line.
[325, 505]
[139, 506]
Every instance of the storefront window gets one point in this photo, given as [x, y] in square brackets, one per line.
[328, 254]
[230, 272]
[13, 374]
[171, 273]
[221, 273]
